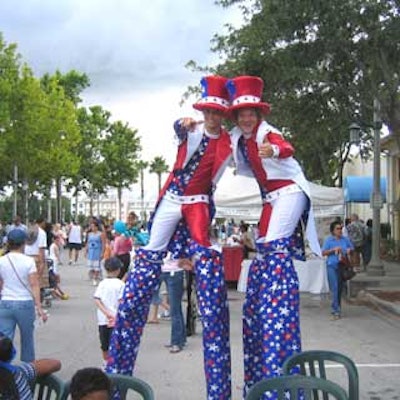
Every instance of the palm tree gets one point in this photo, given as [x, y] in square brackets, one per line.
[142, 165]
[159, 166]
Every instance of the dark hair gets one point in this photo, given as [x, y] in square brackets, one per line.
[333, 225]
[40, 220]
[8, 388]
[113, 264]
[88, 380]
[257, 110]
[12, 246]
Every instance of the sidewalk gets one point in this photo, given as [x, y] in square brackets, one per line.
[380, 292]
[368, 337]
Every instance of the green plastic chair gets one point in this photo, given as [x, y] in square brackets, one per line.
[124, 383]
[299, 387]
[49, 387]
[313, 363]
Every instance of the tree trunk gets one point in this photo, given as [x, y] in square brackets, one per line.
[91, 205]
[159, 183]
[49, 205]
[76, 204]
[59, 200]
[142, 211]
[119, 202]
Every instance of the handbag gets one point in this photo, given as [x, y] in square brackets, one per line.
[346, 269]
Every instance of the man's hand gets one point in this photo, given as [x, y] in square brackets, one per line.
[189, 123]
[265, 149]
[186, 264]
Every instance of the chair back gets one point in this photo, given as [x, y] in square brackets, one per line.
[313, 363]
[124, 383]
[299, 387]
[49, 387]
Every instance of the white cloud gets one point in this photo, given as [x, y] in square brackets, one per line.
[134, 53]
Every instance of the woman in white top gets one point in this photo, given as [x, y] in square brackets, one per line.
[20, 294]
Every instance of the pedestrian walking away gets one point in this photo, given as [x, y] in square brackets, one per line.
[20, 294]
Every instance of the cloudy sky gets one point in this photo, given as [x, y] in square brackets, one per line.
[133, 51]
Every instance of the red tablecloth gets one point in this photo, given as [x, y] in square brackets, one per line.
[233, 257]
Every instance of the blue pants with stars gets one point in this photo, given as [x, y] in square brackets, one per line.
[133, 310]
[271, 325]
[212, 303]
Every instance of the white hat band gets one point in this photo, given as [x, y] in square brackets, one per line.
[246, 99]
[214, 100]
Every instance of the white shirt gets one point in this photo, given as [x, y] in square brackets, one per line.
[54, 256]
[75, 234]
[170, 265]
[13, 288]
[40, 243]
[109, 292]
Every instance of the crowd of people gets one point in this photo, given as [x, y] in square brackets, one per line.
[181, 237]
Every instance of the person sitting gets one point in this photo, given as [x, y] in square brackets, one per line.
[90, 383]
[247, 241]
[16, 381]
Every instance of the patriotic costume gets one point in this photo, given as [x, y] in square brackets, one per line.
[180, 224]
[271, 326]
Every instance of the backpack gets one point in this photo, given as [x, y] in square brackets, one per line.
[356, 233]
[32, 234]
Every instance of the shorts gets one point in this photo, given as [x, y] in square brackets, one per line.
[75, 246]
[94, 265]
[52, 280]
[104, 335]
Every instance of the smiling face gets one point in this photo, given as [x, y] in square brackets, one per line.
[212, 120]
[247, 119]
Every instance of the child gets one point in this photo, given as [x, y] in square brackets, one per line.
[90, 383]
[106, 297]
[122, 247]
[52, 263]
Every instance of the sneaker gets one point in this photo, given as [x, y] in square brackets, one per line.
[175, 349]
[335, 317]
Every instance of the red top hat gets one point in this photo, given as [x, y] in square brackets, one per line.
[246, 91]
[214, 94]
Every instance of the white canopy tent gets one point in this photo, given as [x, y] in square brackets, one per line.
[238, 197]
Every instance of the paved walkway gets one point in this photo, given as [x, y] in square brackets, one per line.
[369, 338]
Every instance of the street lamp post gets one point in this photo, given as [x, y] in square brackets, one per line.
[375, 266]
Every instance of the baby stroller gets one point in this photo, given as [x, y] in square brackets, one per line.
[54, 282]
[46, 296]
[191, 310]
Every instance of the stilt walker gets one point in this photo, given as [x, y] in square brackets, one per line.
[180, 224]
[271, 326]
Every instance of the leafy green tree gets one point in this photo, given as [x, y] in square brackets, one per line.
[90, 178]
[33, 121]
[158, 166]
[142, 165]
[9, 77]
[322, 64]
[64, 137]
[120, 150]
